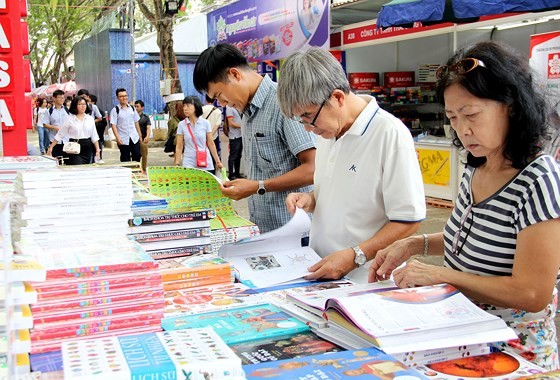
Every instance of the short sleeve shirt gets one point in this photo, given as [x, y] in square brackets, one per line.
[234, 133]
[200, 129]
[125, 122]
[271, 143]
[57, 118]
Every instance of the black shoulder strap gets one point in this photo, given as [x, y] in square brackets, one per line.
[117, 109]
[210, 113]
[51, 110]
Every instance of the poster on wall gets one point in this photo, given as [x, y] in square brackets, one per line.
[544, 59]
[270, 30]
[435, 166]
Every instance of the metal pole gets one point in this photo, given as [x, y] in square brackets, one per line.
[132, 48]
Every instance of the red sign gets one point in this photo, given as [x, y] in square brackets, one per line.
[6, 75]
[363, 81]
[5, 32]
[398, 79]
[370, 32]
[554, 65]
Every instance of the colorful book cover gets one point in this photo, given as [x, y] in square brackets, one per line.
[197, 354]
[191, 267]
[196, 282]
[493, 366]
[292, 346]
[209, 298]
[364, 363]
[241, 324]
[180, 251]
[171, 215]
[150, 228]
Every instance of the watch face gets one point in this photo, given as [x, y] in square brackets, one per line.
[360, 260]
[261, 191]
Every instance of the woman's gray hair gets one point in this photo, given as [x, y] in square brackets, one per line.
[309, 78]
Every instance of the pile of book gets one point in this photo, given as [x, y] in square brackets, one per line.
[103, 288]
[172, 233]
[194, 271]
[72, 203]
[189, 188]
[9, 166]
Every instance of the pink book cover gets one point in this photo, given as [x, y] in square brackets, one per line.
[98, 286]
[55, 344]
[84, 315]
[63, 305]
[96, 325]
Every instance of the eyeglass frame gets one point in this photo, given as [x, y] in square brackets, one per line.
[312, 123]
[444, 70]
[455, 249]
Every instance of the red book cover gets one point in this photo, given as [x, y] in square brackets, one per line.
[84, 304]
[42, 321]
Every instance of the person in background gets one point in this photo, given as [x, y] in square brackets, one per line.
[41, 118]
[145, 130]
[235, 143]
[368, 185]
[500, 244]
[281, 155]
[57, 117]
[124, 123]
[79, 127]
[67, 101]
[214, 115]
[195, 134]
[172, 125]
[100, 126]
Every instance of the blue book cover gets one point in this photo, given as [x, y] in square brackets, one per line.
[46, 362]
[241, 324]
[146, 355]
[367, 363]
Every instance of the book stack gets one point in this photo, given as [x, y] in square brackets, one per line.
[195, 354]
[104, 288]
[72, 203]
[10, 165]
[172, 233]
[195, 188]
[193, 271]
[143, 200]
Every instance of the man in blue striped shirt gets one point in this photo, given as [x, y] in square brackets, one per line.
[279, 152]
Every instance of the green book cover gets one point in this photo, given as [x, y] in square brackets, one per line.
[241, 324]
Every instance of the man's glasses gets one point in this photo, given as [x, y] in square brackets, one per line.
[457, 245]
[464, 66]
[312, 123]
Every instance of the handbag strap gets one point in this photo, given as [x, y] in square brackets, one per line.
[192, 136]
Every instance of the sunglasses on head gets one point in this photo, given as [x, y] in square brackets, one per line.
[464, 66]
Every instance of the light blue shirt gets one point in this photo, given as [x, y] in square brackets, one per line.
[126, 123]
[57, 118]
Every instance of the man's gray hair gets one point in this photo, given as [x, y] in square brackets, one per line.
[308, 78]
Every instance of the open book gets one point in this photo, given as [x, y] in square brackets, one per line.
[274, 257]
[415, 319]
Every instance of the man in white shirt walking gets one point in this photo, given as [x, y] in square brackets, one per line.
[124, 123]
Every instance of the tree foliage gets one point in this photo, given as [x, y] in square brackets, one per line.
[54, 28]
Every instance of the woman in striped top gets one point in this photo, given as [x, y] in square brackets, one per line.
[502, 241]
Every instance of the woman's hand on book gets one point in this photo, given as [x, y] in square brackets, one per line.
[388, 259]
[416, 273]
[333, 267]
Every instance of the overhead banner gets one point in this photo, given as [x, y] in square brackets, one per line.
[545, 61]
[270, 30]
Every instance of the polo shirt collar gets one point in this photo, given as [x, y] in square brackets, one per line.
[363, 120]
[260, 95]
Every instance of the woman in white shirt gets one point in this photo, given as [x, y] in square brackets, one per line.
[42, 117]
[193, 127]
[80, 128]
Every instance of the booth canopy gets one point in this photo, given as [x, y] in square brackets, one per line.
[47, 90]
[402, 12]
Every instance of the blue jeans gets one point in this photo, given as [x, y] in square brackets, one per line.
[43, 139]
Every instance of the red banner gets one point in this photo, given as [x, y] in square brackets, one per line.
[363, 81]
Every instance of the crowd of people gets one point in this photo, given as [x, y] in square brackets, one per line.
[309, 142]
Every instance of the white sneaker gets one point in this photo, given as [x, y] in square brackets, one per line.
[100, 162]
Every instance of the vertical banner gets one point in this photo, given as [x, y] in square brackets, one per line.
[545, 61]
[271, 30]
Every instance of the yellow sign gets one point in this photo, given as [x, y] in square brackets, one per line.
[435, 166]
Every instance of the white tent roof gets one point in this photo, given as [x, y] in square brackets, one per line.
[188, 37]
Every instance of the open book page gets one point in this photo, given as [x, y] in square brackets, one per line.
[415, 315]
[274, 257]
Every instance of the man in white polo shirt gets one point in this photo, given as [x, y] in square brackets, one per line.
[124, 122]
[368, 185]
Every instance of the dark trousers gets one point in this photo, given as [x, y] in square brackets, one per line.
[129, 151]
[234, 160]
[58, 153]
[218, 149]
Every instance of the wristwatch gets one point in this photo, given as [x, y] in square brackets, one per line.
[261, 190]
[360, 259]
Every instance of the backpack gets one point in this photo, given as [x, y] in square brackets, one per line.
[65, 109]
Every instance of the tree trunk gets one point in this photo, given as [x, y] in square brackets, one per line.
[164, 30]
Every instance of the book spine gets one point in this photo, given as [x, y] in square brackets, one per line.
[214, 280]
[194, 273]
[167, 253]
[170, 235]
[84, 272]
[141, 220]
[58, 174]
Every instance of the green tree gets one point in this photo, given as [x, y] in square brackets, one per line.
[54, 28]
